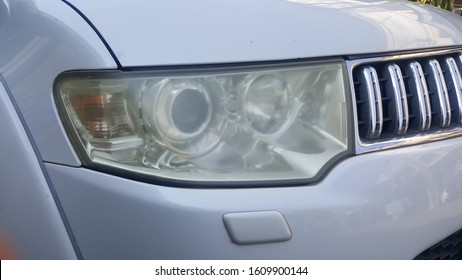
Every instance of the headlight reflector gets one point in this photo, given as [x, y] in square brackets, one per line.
[267, 105]
[284, 122]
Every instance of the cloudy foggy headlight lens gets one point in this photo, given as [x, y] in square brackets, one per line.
[267, 105]
[182, 114]
[274, 123]
[191, 111]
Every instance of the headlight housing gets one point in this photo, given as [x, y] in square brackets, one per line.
[199, 126]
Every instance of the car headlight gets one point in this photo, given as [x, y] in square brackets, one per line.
[244, 124]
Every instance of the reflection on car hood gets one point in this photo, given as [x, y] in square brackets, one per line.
[150, 33]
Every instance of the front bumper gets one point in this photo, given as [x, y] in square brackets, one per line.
[385, 205]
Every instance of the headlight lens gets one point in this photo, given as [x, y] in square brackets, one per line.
[277, 123]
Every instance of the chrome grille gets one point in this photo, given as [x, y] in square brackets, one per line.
[410, 97]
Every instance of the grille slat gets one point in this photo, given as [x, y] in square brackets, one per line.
[398, 104]
[454, 78]
[369, 89]
[440, 100]
[421, 106]
[402, 98]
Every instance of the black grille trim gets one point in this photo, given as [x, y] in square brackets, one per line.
[449, 248]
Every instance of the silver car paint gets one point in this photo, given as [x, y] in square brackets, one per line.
[29, 217]
[39, 40]
[209, 31]
[387, 205]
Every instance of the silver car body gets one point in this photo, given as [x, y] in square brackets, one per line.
[386, 204]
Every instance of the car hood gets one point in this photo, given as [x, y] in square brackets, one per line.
[181, 32]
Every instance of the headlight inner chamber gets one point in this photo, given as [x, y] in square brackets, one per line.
[275, 123]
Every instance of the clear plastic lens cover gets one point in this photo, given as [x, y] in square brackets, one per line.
[270, 124]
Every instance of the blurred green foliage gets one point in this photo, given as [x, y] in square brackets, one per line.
[443, 4]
